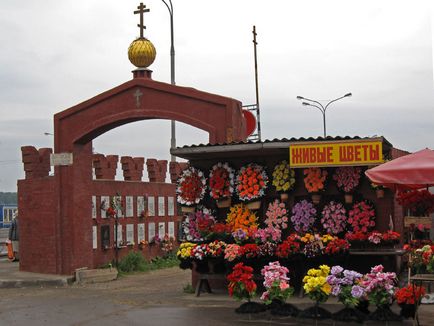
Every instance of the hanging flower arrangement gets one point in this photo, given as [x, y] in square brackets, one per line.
[191, 187]
[283, 177]
[314, 179]
[334, 218]
[361, 217]
[251, 182]
[303, 216]
[419, 202]
[240, 217]
[221, 181]
[277, 215]
[347, 178]
[198, 224]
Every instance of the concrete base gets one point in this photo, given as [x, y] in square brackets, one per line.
[84, 275]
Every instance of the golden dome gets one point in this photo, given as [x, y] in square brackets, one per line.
[142, 53]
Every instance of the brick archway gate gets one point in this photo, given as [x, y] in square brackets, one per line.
[65, 198]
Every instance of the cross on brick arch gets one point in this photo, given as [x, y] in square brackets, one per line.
[138, 99]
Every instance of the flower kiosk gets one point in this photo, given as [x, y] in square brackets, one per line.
[301, 204]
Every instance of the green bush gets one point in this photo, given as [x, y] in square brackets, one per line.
[132, 262]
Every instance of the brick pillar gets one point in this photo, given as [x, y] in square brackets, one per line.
[36, 162]
[105, 166]
[132, 168]
[175, 169]
[156, 170]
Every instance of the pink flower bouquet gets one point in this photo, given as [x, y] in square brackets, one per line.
[333, 218]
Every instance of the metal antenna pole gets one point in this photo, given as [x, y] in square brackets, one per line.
[256, 83]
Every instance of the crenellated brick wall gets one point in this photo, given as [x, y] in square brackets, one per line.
[49, 245]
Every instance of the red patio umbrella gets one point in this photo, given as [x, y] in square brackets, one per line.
[413, 171]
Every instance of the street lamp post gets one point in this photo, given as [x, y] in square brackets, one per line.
[321, 107]
[172, 73]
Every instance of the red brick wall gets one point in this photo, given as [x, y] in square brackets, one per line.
[39, 241]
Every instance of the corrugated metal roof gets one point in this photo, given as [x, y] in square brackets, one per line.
[195, 151]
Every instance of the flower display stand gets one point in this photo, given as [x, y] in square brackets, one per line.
[187, 209]
[349, 314]
[384, 313]
[315, 312]
[224, 203]
[348, 198]
[250, 307]
[284, 197]
[254, 205]
[316, 198]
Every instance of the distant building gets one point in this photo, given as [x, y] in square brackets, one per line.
[6, 214]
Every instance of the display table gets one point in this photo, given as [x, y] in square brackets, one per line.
[417, 280]
[395, 254]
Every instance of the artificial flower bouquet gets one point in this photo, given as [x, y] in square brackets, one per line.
[277, 215]
[347, 178]
[221, 181]
[422, 259]
[241, 284]
[240, 217]
[313, 244]
[419, 202]
[336, 247]
[191, 187]
[314, 179]
[198, 225]
[289, 247]
[283, 177]
[303, 216]
[268, 234]
[334, 219]
[409, 294]
[379, 286]
[318, 290]
[276, 283]
[346, 286]
[251, 182]
[407, 297]
[361, 217]
[315, 284]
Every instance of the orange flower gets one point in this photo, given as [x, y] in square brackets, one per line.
[240, 217]
[314, 179]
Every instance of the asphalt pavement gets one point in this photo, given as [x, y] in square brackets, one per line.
[154, 298]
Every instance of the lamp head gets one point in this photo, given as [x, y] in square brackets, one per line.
[300, 97]
[348, 95]
[305, 103]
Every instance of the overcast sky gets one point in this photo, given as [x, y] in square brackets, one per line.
[56, 54]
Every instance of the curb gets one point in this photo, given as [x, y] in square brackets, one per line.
[9, 284]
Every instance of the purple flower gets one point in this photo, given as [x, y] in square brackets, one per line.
[357, 291]
[336, 270]
[303, 216]
[336, 290]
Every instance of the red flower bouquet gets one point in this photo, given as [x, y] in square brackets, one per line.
[337, 246]
[241, 283]
[361, 217]
[249, 250]
[419, 202]
[409, 294]
[290, 246]
[191, 187]
[347, 178]
[221, 181]
[251, 182]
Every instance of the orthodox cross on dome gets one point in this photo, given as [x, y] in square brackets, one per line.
[141, 10]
